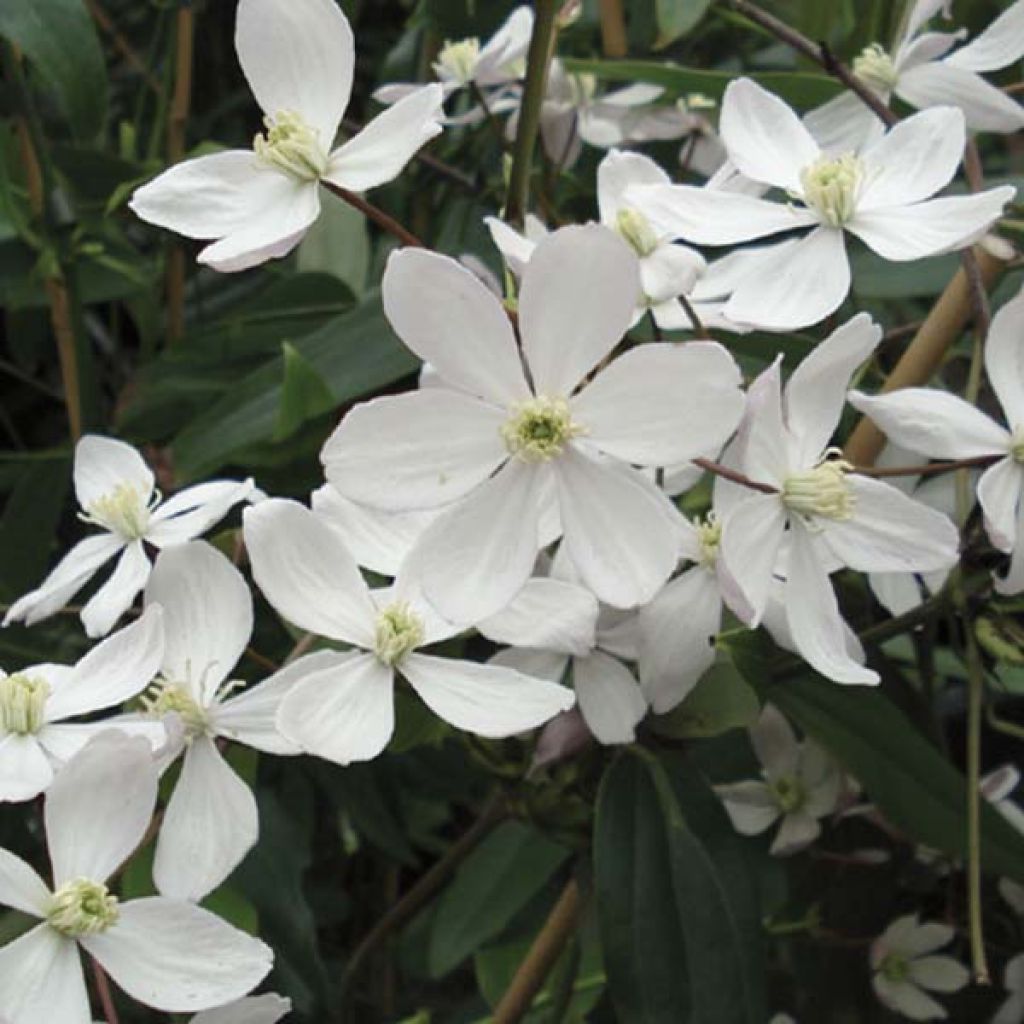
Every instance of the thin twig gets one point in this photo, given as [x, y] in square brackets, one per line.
[928, 469]
[300, 648]
[103, 991]
[374, 213]
[698, 327]
[737, 478]
[495, 125]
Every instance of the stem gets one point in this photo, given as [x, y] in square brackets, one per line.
[546, 949]
[300, 648]
[374, 213]
[105, 22]
[495, 125]
[614, 40]
[698, 328]
[731, 474]
[103, 991]
[1003, 726]
[542, 45]
[929, 469]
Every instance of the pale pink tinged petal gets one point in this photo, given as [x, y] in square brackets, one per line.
[999, 493]
[931, 227]
[939, 973]
[179, 958]
[1004, 357]
[934, 423]
[25, 771]
[796, 833]
[659, 404]
[617, 529]
[677, 631]
[208, 616]
[116, 596]
[487, 700]
[447, 316]
[775, 744]
[711, 217]
[763, 136]
[99, 807]
[298, 56]
[268, 1009]
[21, 888]
[479, 553]
[751, 536]
[381, 150]
[816, 392]
[812, 614]
[416, 450]
[306, 573]
[515, 249]
[209, 825]
[809, 280]
[195, 509]
[845, 124]
[548, 614]
[751, 806]
[615, 173]
[62, 742]
[290, 208]
[906, 999]
[343, 711]
[50, 985]
[913, 160]
[530, 662]
[1000, 44]
[102, 464]
[576, 302]
[120, 667]
[609, 698]
[986, 108]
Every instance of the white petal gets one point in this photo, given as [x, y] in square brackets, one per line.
[615, 173]
[268, 1009]
[845, 124]
[298, 56]
[99, 807]
[608, 697]
[796, 832]
[50, 985]
[416, 450]
[751, 806]
[986, 108]
[921, 12]
[934, 423]
[207, 615]
[659, 404]
[177, 957]
[935, 226]
[751, 536]
[913, 160]
[63, 742]
[1000, 44]
[194, 510]
[21, 888]
[576, 302]
[999, 492]
[209, 825]
[488, 700]
[669, 271]
[808, 281]
[306, 572]
[763, 136]
[911, 938]
[515, 249]
[25, 771]
[102, 464]
[381, 150]
[342, 711]
[812, 613]
[775, 744]
[906, 999]
[539, 664]
[1004, 358]
[446, 315]
[548, 614]
[939, 973]
[115, 597]
[618, 529]
[763, 444]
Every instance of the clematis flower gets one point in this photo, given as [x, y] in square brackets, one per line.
[36, 738]
[1012, 1009]
[941, 426]
[922, 72]
[165, 954]
[826, 515]
[491, 449]
[298, 57]
[341, 707]
[211, 820]
[906, 969]
[880, 194]
[800, 785]
[116, 491]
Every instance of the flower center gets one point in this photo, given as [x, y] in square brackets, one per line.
[399, 630]
[82, 907]
[831, 186]
[636, 229]
[875, 67]
[822, 491]
[166, 697]
[539, 429]
[291, 145]
[894, 967]
[789, 793]
[709, 536]
[124, 511]
[457, 60]
[22, 701]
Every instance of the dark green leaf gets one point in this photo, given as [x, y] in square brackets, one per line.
[676, 18]
[304, 395]
[721, 701]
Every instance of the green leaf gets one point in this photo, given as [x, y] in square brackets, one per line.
[721, 701]
[304, 395]
[59, 39]
[338, 244]
[676, 18]
[494, 883]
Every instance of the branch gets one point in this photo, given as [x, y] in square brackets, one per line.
[928, 469]
[103, 991]
[731, 474]
[614, 40]
[375, 213]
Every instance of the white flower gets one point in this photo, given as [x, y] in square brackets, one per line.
[298, 57]
[116, 491]
[165, 954]
[825, 514]
[880, 194]
[211, 821]
[267, 1009]
[36, 702]
[941, 426]
[342, 706]
[1012, 1010]
[801, 784]
[904, 968]
[492, 449]
[922, 72]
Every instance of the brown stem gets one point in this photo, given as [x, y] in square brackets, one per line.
[731, 474]
[929, 469]
[698, 328]
[300, 648]
[545, 951]
[103, 991]
[614, 40]
[374, 213]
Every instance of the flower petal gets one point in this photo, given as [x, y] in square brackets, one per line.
[999, 493]
[669, 271]
[25, 771]
[62, 742]
[267, 1009]
[617, 172]
[775, 744]
[845, 124]
[50, 984]
[115, 597]
[986, 108]
[21, 888]
[608, 696]
[194, 510]
[548, 614]
[797, 832]
[1004, 359]
[939, 973]
[999, 45]
[751, 806]
[751, 537]
[103, 464]
[906, 999]
[1013, 581]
